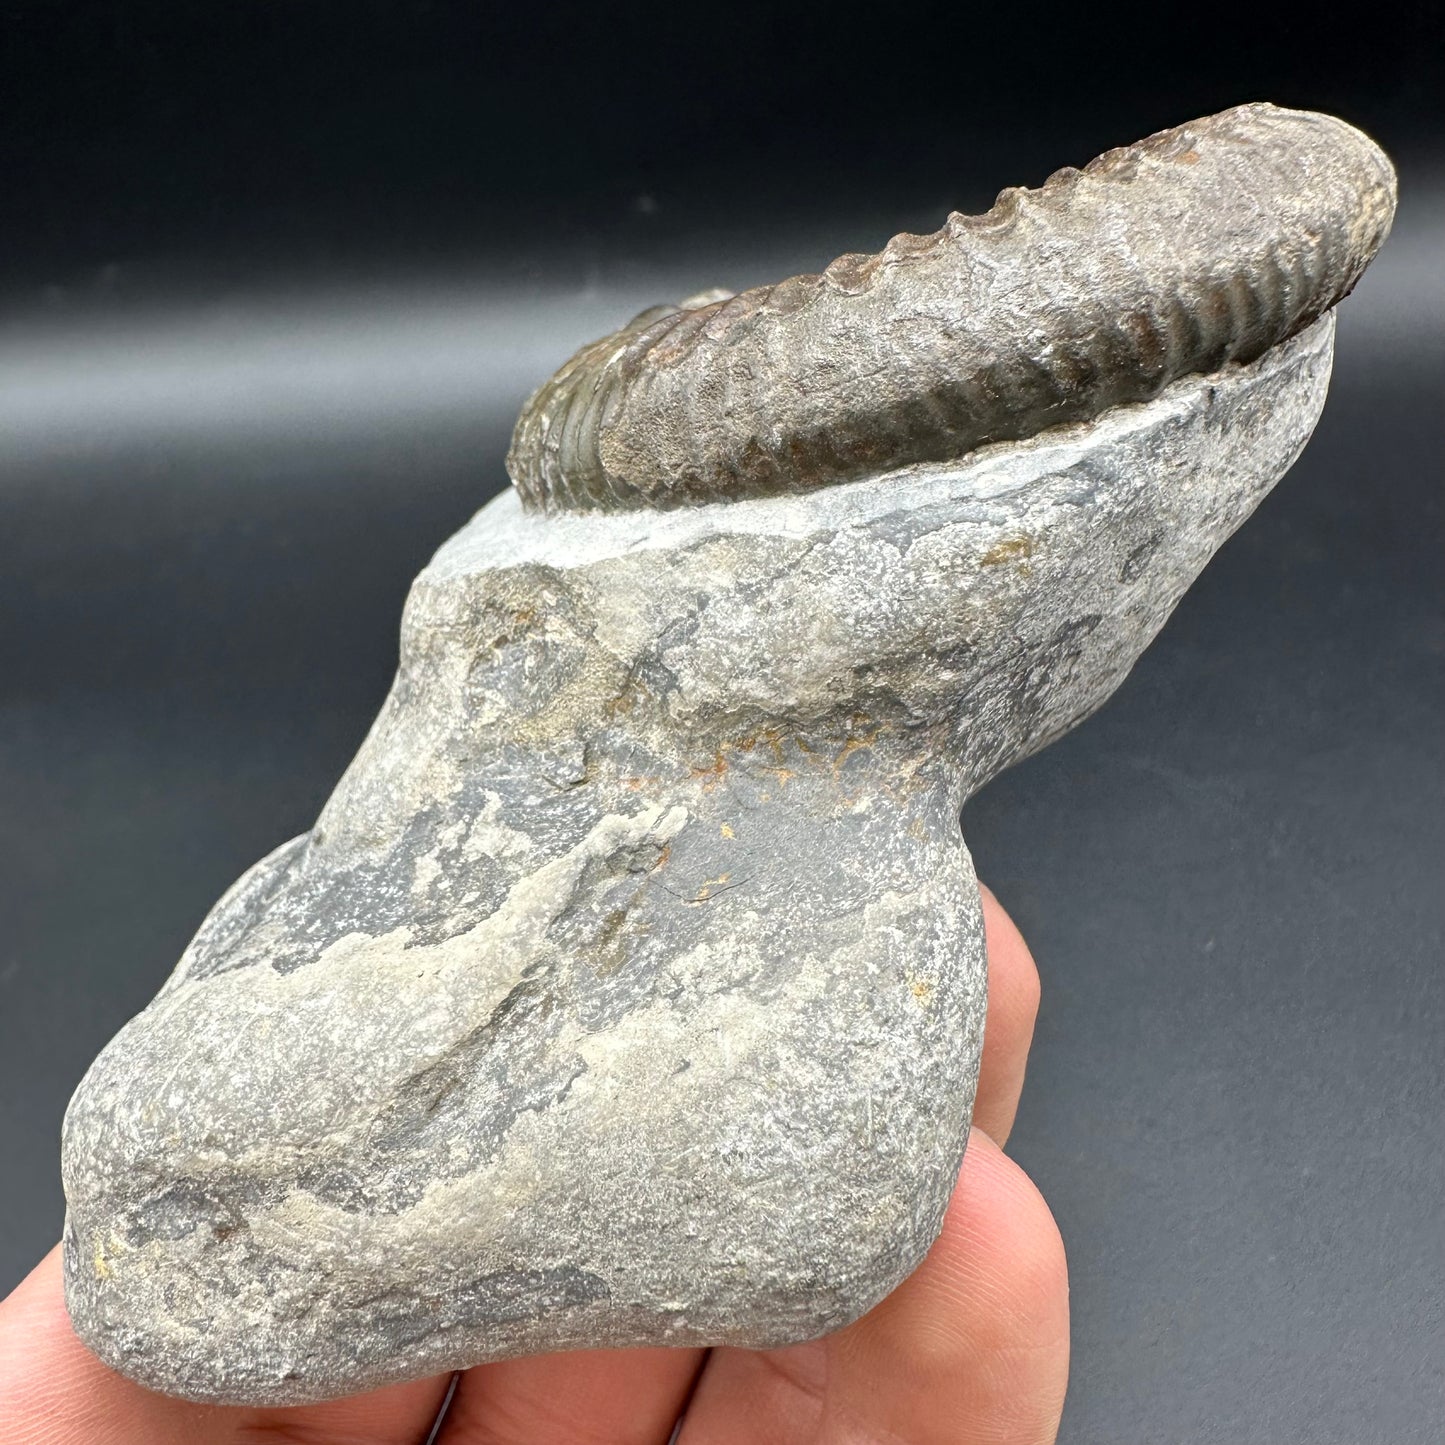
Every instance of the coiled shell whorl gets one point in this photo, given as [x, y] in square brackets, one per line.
[1199, 246]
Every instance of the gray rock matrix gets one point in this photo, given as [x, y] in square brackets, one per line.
[630, 988]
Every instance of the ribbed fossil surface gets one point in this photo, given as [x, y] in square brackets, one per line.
[1202, 245]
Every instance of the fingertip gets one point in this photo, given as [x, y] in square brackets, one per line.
[54, 1391]
[977, 1338]
[999, 1233]
[1000, 1242]
[1008, 952]
[1013, 1005]
[43, 1360]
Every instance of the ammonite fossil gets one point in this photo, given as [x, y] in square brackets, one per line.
[1201, 245]
[630, 987]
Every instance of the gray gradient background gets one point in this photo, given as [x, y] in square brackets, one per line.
[224, 453]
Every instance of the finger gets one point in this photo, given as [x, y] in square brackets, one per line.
[589, 1397]
[1013, 1006]
[54, 1391]
[972, 1349]
[981, 1329]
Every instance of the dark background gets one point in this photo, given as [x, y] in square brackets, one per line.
[274, 279]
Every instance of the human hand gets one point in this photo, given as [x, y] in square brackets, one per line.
[972, 1347]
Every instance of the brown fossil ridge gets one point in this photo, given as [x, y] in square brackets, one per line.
[1199, 246]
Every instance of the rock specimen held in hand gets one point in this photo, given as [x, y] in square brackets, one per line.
[630, 987]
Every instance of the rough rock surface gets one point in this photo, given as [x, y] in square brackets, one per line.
[629, 989]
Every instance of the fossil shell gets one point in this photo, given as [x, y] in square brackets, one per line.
[1202, 245]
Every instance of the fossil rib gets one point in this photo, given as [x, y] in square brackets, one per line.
[1201, 245]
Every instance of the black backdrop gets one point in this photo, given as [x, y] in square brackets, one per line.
[312, 137]
[273, 281]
